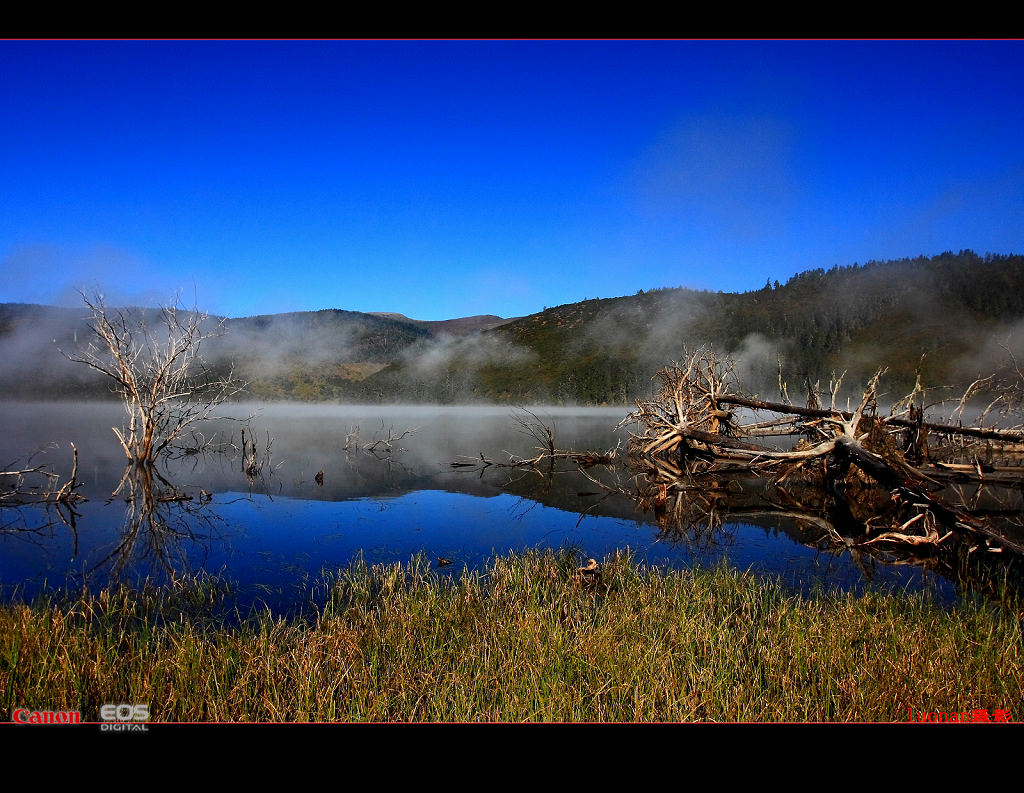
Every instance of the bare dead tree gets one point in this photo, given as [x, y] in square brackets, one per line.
[157, 370]
[530, 424]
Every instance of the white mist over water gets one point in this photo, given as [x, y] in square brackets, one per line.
[283, 527]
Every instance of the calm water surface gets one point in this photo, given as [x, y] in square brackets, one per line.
[275, 533]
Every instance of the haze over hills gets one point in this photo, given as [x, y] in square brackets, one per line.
[963, 312]
[461, 326]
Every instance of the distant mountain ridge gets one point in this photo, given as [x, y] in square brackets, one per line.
[287, 355]
[962, 311]
[461, 326]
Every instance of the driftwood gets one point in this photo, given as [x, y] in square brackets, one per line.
[530, 424]
[585, 459]
[739, 400]
[855, 457]
[387, 445]
[39, 485]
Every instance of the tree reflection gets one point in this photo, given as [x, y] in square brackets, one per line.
[161, 524]
[697, 507]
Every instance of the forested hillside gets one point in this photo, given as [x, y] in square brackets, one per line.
[958, 310]
[954, 309]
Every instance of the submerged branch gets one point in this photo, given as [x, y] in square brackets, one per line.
[39, 485]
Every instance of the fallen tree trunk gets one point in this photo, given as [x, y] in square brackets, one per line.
[946, 429]
[686, 428]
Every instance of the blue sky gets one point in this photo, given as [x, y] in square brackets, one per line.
[442, 179]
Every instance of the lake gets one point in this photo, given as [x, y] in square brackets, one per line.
[272, 534]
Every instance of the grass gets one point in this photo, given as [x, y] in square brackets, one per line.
[524, 640]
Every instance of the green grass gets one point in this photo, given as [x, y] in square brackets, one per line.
[524, 640]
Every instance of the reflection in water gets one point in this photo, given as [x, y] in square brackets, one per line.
[158, 522]
[271, 509]
[698, 507]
